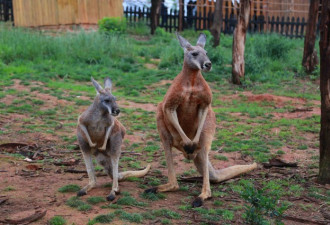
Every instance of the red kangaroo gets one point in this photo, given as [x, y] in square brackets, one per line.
[186, 121]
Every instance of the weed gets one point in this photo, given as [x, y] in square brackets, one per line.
[9, 188]
[221, 157]
[153, 196]
[129, 200]
[95, 200]
[75, 202]
[131, 217]
[105, 218]
[261, 204]
[57, 220]
[166, 213]
[69, 188]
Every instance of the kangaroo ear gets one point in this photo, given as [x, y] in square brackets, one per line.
[201, 40]
[96, 85]
[107, 84]
[183, 42]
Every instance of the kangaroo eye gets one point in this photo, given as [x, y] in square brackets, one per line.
[195, 53]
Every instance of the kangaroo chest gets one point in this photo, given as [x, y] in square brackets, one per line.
[97, 129]
[192, 97]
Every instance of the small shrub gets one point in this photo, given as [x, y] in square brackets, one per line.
[262, 203]
[69, 188]
[57, 220]
[112, 25]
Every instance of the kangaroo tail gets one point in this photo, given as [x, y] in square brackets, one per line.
[139, 173]
[229, 172]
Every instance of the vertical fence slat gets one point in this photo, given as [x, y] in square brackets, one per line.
[259, 21]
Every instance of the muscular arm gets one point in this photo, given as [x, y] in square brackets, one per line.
[202, 113]
[109, 129]
[173, 118]
[84, 129]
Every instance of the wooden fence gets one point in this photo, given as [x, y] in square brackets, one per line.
[6, 10]
[39, 13]
[289, 27]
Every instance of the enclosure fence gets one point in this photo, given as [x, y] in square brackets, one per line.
[6, 10]
[262, 18]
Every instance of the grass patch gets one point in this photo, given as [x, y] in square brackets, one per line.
[69, 188]
[106, 218]
[95, 200]
[57, 220]
[129, 200]
[75, 202]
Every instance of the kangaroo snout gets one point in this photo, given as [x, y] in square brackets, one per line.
[115, 112]
[207, 66]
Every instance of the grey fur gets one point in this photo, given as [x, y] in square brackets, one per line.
[107, 84]
[196, 56]
[100, 134]
[201, 40]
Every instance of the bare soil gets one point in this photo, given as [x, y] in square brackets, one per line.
[35, 185]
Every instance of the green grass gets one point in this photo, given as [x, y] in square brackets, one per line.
[95, 200]
[9, 188]
[64, 64]
[131, 217]
[75, 202]
[104, 218]
[57, 220]
[129, 200]
[69, 188]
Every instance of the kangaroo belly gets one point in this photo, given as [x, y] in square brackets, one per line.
[188, 119]
[97, 134]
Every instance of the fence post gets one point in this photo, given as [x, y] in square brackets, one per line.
[297, 28]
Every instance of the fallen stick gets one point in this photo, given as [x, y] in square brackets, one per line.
[309, 109]
[36, 216]
[131, 153]
[3, 200]
[303, 220]
[74, 171]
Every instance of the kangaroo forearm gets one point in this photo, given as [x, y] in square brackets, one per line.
[84, 129]
[173, 118]
[108, 132]
[201, 118]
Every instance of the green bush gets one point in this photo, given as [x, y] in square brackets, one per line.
[112, 25]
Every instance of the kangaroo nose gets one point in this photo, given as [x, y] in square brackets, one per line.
[208, 65]
[117, 111]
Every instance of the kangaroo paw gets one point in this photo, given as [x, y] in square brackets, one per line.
[111, 197]
[81, 193]
[153, 190]
[198, 202]
[189, 149]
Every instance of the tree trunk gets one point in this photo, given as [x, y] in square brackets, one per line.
[181, 13]
[217, 23]
[154, 13]
[310, 55]
[324, 174]
[239, 42]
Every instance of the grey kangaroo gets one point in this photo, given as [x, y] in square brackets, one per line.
[101, 134]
